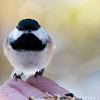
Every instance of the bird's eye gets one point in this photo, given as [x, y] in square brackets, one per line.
[21, 27]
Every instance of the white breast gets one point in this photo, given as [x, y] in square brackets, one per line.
[29, 61]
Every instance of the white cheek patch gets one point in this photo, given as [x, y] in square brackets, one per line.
[15, 34]
[41, 34]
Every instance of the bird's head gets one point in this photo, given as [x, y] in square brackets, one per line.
[28, 35]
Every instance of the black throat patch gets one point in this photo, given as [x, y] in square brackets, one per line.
[28, 42]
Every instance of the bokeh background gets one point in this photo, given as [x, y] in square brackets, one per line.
[74, 25]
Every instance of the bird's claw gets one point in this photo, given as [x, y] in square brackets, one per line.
[40, 73]
[17, 76]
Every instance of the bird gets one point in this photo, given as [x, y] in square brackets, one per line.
[29, 49]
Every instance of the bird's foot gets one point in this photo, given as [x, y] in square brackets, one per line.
[17, 76]
[40, 73]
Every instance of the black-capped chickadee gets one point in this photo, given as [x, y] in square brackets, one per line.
[28, 48]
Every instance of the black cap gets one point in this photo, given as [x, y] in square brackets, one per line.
[28, 24]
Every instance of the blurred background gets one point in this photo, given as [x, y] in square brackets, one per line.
[74, 25]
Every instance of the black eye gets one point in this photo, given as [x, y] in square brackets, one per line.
[21, 27]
